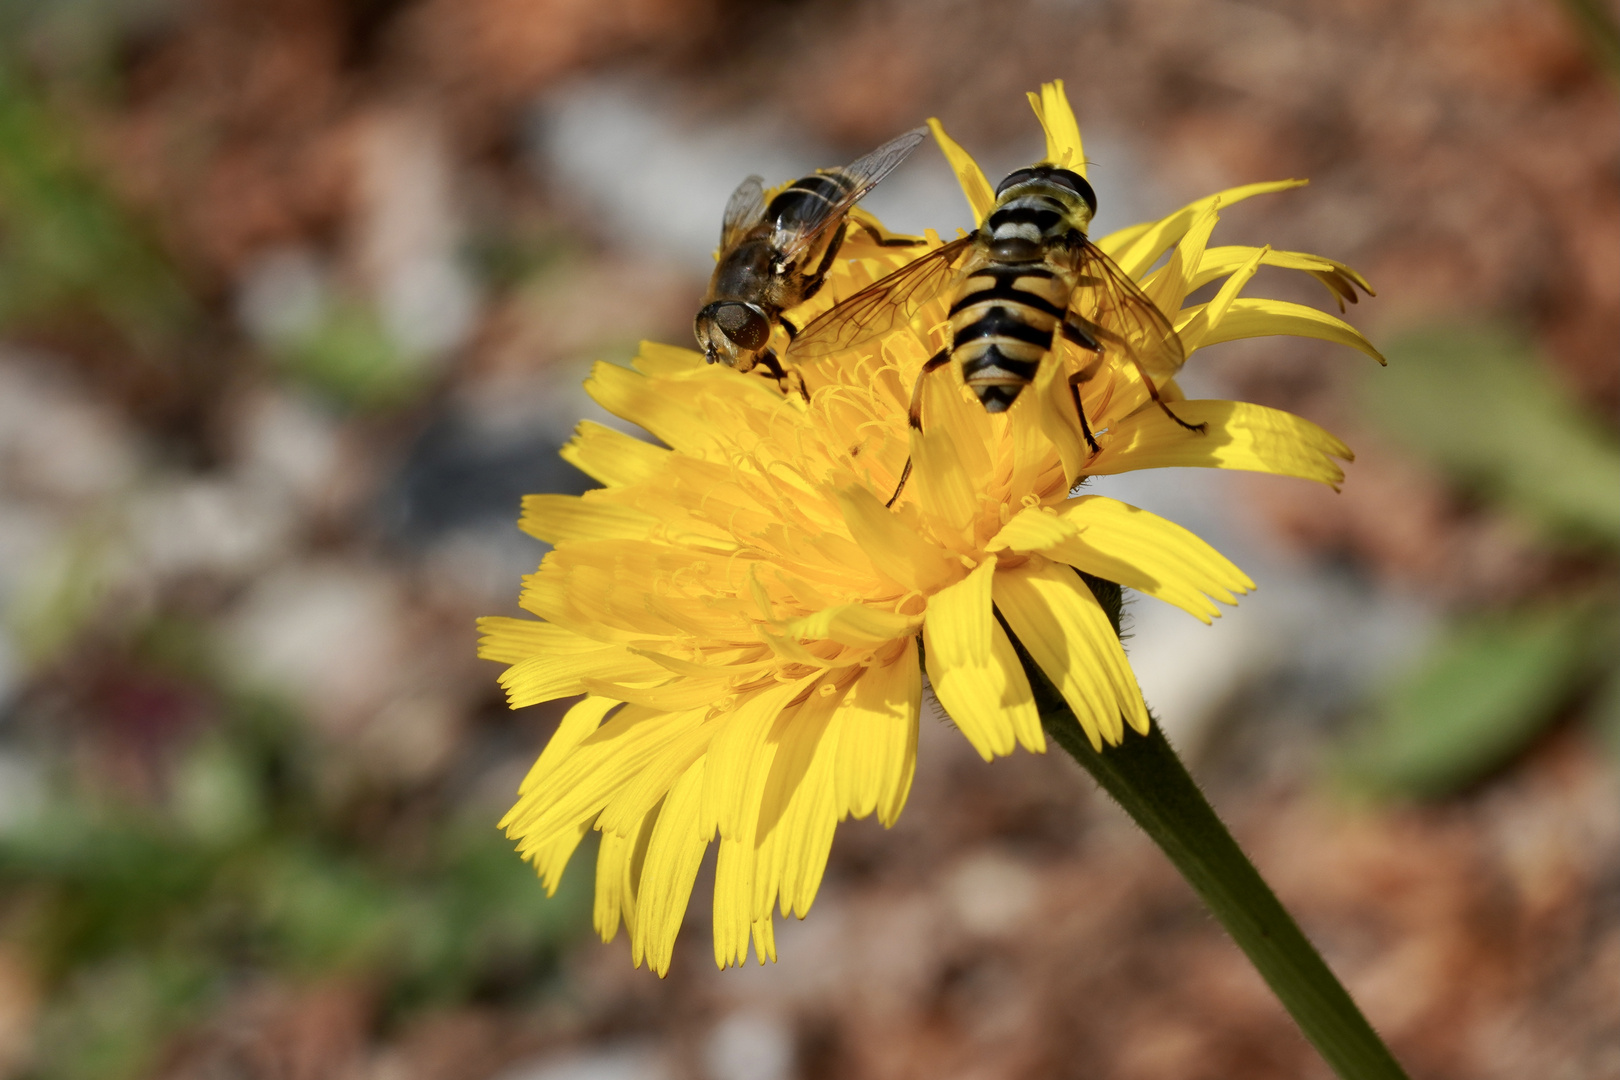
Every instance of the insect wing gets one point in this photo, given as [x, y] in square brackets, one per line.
[743, 211]
[862, 175]
[881, 306]
[1120, 315]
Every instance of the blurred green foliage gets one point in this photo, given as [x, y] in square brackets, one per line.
[138, 917]
[1476, 402]
[68, 248]
[350, 358]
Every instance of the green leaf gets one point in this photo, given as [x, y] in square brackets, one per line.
[1475, 401]
[1484, 691]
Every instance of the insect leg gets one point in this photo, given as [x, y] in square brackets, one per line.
[1079, 335]
[888, 241]
[788, 381]
[1159, 401]
[819, 277]
[935, 362]
[1080, 410]
[914, 415]
[1086, 340]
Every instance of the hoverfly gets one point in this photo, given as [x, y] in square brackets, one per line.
[1027, 274]
[776, 256]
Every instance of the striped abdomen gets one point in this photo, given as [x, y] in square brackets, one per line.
[1002, 324]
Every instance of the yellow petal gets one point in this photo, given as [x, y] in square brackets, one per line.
[611, 457]
[656, 358]
[734, 802]
[1339, 279]
[674, 853]
[1240, 435]
[895, 549]
[601, 766]
[1117, 542]
[512, 640]
[1247, 318]
[551, 860]
[1058, 420]
[1053, 614]
[560, 519]
[877, 745]
[948, 459]
[1168, 288]
[652, 782]
[806, 834]
[648, 403]
[568, 668]
[1034, 529]
[577, 723]
[796, 814]
[856, 625]
[612, 891]
[739, 761]
[1195, 328]
[1052, 109]
[980, 195]
[618, 877]
[975, 671]
[1139, 247]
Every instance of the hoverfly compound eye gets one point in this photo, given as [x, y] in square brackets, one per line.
[1078, 184]
[744, 325]
[1018, 177]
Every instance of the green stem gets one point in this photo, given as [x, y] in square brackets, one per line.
[1145, 776]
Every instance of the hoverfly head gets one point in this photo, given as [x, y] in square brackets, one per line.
[727, 329]
[1064, 185]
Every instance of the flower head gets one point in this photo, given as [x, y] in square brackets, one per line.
[743, 612]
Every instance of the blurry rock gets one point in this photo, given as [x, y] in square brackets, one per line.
[286, 440]
[329, 635]
[749, 1045]
[992, 894]
[210, 526]
[413, 736]
[282, 294]
[470, 470]
[56, 442]
[406, 233]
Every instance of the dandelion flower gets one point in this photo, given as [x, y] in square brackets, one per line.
[748, 621]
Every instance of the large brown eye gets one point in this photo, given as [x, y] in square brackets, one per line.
[1015, 178]
[743, 325]
[1077, 184]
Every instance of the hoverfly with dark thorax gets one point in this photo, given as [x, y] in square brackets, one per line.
[775, 256]
[1024, 276]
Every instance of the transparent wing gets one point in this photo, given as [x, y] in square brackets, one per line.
[861, 175]
[743, 211]
[882, 305]
[1120, 315]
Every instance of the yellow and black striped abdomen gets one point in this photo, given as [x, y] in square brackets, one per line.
[1002, 324]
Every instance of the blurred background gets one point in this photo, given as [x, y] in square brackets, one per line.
[295, 301]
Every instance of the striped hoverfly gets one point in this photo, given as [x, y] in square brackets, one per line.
[1027, 274]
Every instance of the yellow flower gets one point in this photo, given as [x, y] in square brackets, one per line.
[743, 613]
